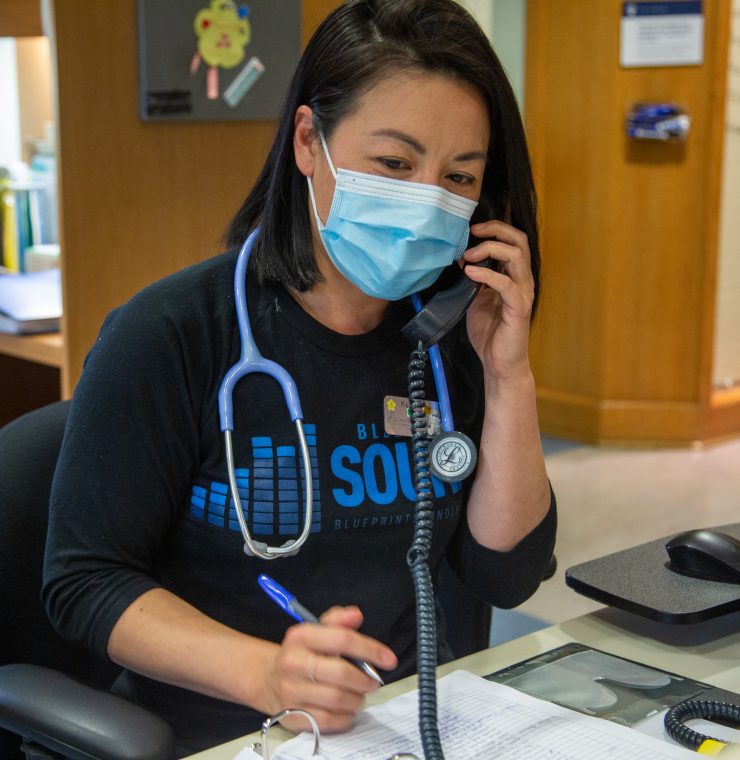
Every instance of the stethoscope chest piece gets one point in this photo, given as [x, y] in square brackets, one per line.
[452, 456]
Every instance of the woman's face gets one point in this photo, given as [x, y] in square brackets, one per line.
[414, 126]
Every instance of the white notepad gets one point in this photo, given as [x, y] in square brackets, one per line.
[482, 719]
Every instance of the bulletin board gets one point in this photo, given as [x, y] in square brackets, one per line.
[216, 60]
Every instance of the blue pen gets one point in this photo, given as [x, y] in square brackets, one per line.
[287, 601]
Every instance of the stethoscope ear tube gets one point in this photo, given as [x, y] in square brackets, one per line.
[250, 359]
[252, 362]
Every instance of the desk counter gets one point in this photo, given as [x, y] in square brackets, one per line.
[707, 651]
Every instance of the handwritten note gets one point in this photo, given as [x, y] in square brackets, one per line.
[481, 719]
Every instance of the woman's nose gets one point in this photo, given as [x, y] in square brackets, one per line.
[429, 176]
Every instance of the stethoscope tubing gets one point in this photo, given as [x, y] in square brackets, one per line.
[251, 361]
[440, 379]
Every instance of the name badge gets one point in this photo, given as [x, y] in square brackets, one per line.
[397, 416]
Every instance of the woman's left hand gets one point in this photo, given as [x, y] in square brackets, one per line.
[498, 320]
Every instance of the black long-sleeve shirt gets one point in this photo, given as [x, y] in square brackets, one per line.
[140, 496]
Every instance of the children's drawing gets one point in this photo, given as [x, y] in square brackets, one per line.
[223, 31]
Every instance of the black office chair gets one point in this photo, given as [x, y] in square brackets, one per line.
[67, 714]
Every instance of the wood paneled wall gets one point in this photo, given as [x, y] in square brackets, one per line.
[138, 200]
[623, 345]
[20, 18]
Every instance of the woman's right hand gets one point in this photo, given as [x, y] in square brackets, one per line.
[309, 670]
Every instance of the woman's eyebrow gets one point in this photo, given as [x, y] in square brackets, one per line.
[473, 155]
[403, 137]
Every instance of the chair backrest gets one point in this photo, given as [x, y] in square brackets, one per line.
[29, 448]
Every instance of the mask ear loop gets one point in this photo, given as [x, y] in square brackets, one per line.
[326, 153]
[325, 148]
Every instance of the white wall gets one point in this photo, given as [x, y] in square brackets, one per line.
[727, 331]
[510, 40]
[10, 138]
[505, 22]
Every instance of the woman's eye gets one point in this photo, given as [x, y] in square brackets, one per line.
[394, 164]
[461, 179]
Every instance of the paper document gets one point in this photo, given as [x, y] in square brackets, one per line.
[248, 754]
[482, 719]
[30, 302]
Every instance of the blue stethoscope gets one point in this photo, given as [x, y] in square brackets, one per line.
[251, 361]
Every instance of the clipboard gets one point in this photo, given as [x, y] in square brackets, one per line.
[481, 719]
[604, 685]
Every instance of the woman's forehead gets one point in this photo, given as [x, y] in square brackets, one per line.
[424, 105]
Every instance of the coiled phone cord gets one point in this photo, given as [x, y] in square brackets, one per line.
[707, 709]
[417, 559]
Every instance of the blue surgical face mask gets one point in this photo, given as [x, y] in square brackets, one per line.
[389, 237]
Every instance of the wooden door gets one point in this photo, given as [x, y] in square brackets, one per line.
[622, 349]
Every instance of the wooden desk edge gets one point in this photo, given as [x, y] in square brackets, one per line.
[47, 348]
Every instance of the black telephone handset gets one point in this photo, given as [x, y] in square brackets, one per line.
[447, 307]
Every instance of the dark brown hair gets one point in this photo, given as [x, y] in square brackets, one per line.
[353, 48]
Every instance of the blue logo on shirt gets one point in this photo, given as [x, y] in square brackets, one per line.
[272, 490]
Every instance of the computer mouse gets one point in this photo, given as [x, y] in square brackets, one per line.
[707, 554]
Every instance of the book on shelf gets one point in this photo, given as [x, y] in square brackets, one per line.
[8, 222]
[30, 303]
[28, 216]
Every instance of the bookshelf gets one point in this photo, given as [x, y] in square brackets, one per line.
[30, 366]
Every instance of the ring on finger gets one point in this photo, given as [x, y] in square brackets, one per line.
[311, 669]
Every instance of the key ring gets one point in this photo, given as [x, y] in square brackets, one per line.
[264, 747]
[269, 722]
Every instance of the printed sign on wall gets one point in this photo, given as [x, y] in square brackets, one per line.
[656, 33]
[216, 60]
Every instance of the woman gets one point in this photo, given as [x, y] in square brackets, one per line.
[145, 561]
